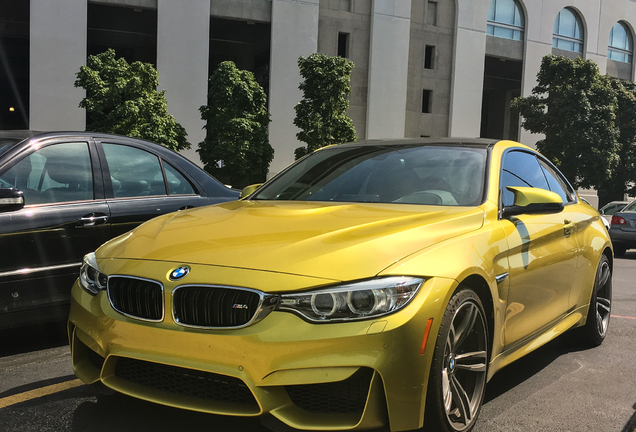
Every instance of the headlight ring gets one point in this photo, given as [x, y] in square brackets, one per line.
[91, 278]
[354, 301]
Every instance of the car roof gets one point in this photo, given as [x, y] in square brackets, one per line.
[450, 142]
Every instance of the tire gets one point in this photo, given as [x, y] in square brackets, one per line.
[598, 316]
[457, 381]
[619, 250]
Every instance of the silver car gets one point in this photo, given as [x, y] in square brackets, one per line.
[623, 229]
[608, 210]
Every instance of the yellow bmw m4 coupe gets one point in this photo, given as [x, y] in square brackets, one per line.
[372, 284]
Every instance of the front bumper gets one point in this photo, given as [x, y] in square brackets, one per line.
[356, 375]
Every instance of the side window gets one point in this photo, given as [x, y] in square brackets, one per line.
[177, 183]
[133, 172]
[520, 169]
[53, 174]
[558, 184]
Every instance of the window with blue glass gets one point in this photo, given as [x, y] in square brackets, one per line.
[620, 46]
[505, 19]
[568, 31]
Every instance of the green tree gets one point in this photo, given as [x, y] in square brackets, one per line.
[122, 99]
[236, 148]
[623, 177]
[322, 113]
[574, 106]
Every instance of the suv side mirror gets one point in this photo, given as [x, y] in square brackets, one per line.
[11, 200]
[530, 200]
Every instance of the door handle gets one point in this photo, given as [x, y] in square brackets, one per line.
[93, 219]
[185, 207]
[568, 226]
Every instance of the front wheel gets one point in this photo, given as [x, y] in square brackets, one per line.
[598, 316]
[457, 382]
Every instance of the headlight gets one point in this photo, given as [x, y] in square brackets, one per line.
[368, 299]
[91, 279]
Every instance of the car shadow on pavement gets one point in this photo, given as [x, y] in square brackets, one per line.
[631, 424]
[529, 365]
[33, 338]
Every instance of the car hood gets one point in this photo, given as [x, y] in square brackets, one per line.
[338, 241]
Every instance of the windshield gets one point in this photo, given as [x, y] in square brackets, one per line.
[431, 175]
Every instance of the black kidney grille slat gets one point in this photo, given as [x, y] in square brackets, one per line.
[208, 306]
[184, 382]
[136, 297]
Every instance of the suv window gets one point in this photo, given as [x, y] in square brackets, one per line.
[520, 169]
[134, 172]
[56, 173]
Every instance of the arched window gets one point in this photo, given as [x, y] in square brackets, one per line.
[505, 19]
[568, 31]
[620, 45]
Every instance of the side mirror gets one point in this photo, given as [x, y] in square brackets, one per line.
[11, 200]
[532, 201]
[249, 190]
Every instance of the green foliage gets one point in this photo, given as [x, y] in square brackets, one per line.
[236, 148]
[322, 113]
[574, 106]
[122, 98]
[623, 178]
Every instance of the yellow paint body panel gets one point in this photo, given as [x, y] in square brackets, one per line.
[285, 246]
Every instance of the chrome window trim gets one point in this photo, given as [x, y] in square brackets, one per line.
[150, 197]
[163, 300]
[262, 310]
[28, 271]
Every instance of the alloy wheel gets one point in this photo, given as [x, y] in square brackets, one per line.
[465, 365]
[603, 298]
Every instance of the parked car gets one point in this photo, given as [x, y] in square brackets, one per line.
[369, 284]
[608, 210]
[623, 229]
[63, 194]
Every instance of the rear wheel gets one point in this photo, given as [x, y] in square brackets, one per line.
[598, 316]
[458, 373]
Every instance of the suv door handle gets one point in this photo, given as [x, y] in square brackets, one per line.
[93, 219]
[568, 227]
[185, 207]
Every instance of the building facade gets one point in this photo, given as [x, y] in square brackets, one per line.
[422, 67]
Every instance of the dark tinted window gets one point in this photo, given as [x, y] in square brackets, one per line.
[521, 169]
[134, 172]
[433, 175]
[558, 184]
[177, 183]
[56, 173]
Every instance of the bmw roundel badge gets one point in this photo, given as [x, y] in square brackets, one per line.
[179, 273]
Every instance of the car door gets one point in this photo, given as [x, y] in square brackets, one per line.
[542, 255]
[141, 185]
[65, 216]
